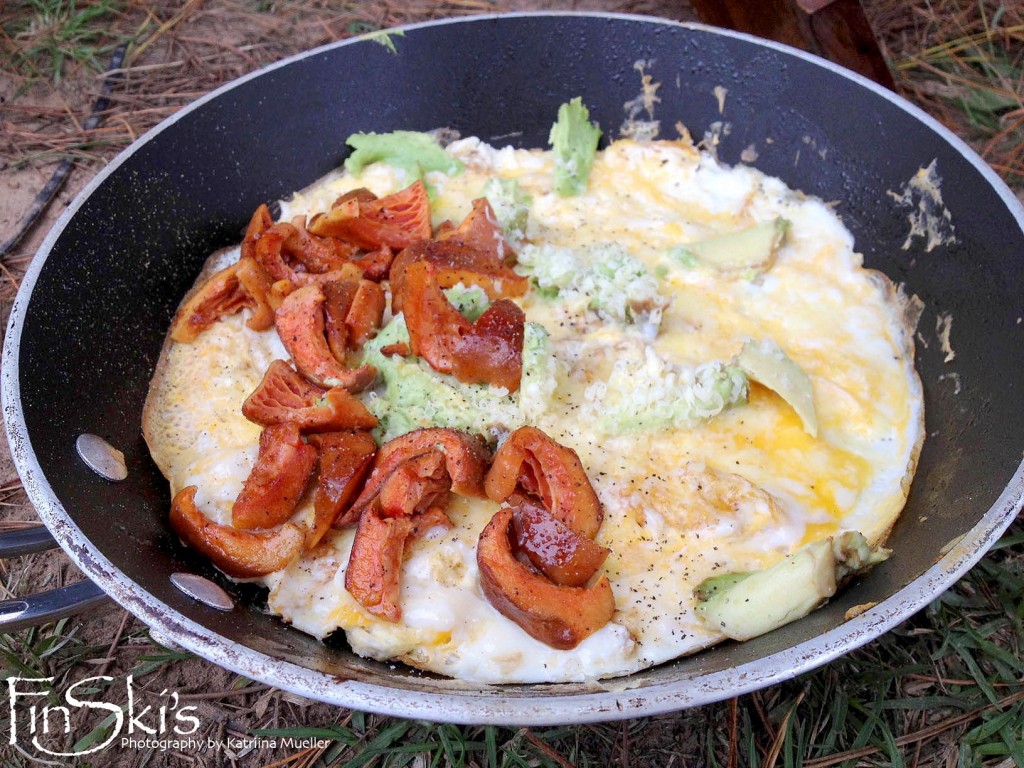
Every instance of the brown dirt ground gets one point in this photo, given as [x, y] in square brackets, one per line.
[191, 47]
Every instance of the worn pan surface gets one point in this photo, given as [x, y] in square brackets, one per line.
[88, 323]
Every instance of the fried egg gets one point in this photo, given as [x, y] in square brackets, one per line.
[689, 490]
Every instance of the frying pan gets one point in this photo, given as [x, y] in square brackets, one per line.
[88, 323]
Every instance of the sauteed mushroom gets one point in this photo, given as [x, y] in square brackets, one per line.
[284, 396]
[242, 554]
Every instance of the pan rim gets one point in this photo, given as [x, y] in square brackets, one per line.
[617, 700]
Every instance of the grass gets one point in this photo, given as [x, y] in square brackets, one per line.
[945, 688]
[46, 36]
[964, 62]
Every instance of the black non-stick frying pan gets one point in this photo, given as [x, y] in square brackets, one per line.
[89, 321]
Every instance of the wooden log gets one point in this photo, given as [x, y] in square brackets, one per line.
[838, 30]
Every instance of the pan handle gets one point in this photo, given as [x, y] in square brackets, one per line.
[42, 608]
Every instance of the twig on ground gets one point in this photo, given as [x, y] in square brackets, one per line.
[734, 756]
[113, 646]
[544, 747]
[225, 694]
[46, 195]
[780, 734]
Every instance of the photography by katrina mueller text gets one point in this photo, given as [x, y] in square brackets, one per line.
[95, 714]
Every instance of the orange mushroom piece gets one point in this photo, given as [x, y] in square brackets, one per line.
[284, 396]
[366, 313]
[417, 484]
[375, 563]
[395, 221]
[338, 298]
[241, 554]
[345, 461]
[301, 327]
[281, 248]
[415, 492]
[236, 287]
[317, 255]
[562, 555]
[559, 616]
[480, 231]
[465, 459]
[260, 222]
[268, 250]
[353, 311]
[530, 462]
[456, 262]
[489, 351]
[376, 265]
[277, 481]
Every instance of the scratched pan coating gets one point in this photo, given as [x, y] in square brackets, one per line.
[89, 321]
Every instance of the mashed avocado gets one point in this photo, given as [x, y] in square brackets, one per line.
[471, 300]
[414, 395]
[647, 392]
[413, 152]
[511, 206]
[603, 278]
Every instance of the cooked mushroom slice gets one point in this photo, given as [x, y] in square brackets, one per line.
[366, 313]
[236, 287]
[283, 466]
[375, 264]
[465, 460]
[260, 222]
[345, 461]
[480, 230]
[274, 252]
[241, 554]
[284, 396]
[317, 255]
[268, 251]
[561, 554]
[353, 311]
[396, 221]
[432, 320]
[360, 195]
[418, 486]
[455, 263]
[559, 616]
[531, 462]
[489, 351]
[338, 298]
[300, 324]
[375, 563]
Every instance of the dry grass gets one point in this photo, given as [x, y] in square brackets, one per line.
[943, 689]
[964, 63]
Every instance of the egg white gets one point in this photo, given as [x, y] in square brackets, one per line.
[734, 493]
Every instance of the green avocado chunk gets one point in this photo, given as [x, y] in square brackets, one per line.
[752, 248]
[415, 153]
[766, 363]
[573, 140]
[745, 605]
